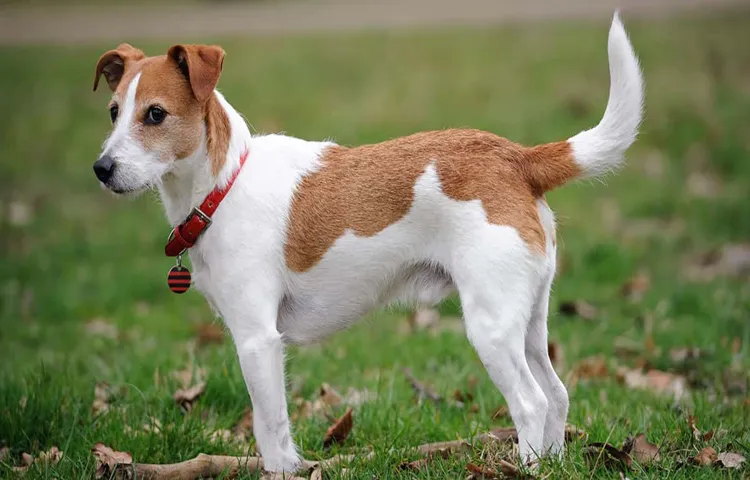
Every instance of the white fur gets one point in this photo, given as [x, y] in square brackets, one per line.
[601, 150]
[440, 246]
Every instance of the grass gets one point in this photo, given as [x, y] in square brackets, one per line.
[84, 255]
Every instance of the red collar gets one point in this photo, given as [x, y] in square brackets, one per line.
[186, 234]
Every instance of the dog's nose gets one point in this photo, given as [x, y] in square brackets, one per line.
[104, 168]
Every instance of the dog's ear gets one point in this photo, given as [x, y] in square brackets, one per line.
[201, 65]
[113, 63]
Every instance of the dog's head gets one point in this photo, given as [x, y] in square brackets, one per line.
[158, 111]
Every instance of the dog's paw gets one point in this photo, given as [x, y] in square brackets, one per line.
[286, 462]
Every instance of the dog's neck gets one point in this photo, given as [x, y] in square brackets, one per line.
[191, 179]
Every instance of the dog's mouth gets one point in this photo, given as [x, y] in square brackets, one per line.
[125, 191]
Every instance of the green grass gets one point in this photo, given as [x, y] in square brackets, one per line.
[85, 255]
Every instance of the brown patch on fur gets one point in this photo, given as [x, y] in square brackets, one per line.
[218, 133]
[174, 82]
[367, 188]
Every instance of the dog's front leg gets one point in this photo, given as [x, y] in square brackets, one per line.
[261, 354]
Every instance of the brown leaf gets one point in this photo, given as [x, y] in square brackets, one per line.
[99, 327]
[590, 367]
[643, 451]
[4, 452]
[656, 381]
[415, 465]
[683, 354]
[705, 457]
[339, 431]
[730, 460]
[207, 333]
[108, 459]
[606, 455]
[317, 474]
[507, 470]
[555, 353]
[579, 308]
[424, 318]
[329, 396]
[186, 397]
[486, 473]
[102, 396]
[188, 375]
[691, 423]
[422, 389]
[501, 412]
[27, 459]
[732, 260]
[635, 288]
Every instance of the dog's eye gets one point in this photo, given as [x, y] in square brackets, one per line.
[155, 115]
[113, 111]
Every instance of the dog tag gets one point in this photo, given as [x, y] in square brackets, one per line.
[179, 277]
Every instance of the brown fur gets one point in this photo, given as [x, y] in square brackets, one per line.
[367, 188]
[174, 82]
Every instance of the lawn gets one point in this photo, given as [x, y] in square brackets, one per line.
[83, 297]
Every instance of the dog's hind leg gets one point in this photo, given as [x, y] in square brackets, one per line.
[537, 355]
[497, 283]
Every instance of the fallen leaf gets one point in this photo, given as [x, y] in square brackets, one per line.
[703, 184]
[683, 354]
[355, 398]
[589, 368]
[501, 412]
[422, 389]
[478, 472]
[730, 460]
[415, 465]
[4, 453]
[153, 425]
[99, 327]
[579, 308]
[102, 397]
[186, 397]
[188, 375]
[27, 459]
[339, 431]
[656, 381]
[732, 260]
[424, 318]
[329, 396]
[705, 457]
[607, 455]
[222, 435]
[317, 473]
[691, 423]
[636, 287]
[506, 470]
[108, 459]
[643, 451]
[556, 356]
[207, 333]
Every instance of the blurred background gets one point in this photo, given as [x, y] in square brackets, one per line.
[652, 265]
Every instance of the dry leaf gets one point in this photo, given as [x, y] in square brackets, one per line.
[355, 398]
[643, 451]
[579, 308]
[329, 396]
[703, 184]
[732, 260]
[691, 423]
[4, 452]
[501, 412]
[556, 356]
[635, 288]
[102, 397]
[27, 459]
[108, 459]
[207, 333]
[507, 470]
[185, 376]
[222, 435]
[478, 472]
[606, 455]
[317, 473]
[705, 457]
[681, 355]
[339, 431]
[186, 397]
[424, 318]
[422, 389]
[730, 460]
[655, 381]
[99, 327]
[588, 368]
[415, 465]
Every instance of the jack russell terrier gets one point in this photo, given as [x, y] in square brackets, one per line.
[293, 240]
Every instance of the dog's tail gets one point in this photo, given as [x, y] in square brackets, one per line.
[600, 150]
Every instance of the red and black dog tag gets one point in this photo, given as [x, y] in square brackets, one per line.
[179, 277]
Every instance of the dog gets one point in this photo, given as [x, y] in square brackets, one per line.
[292, 240]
